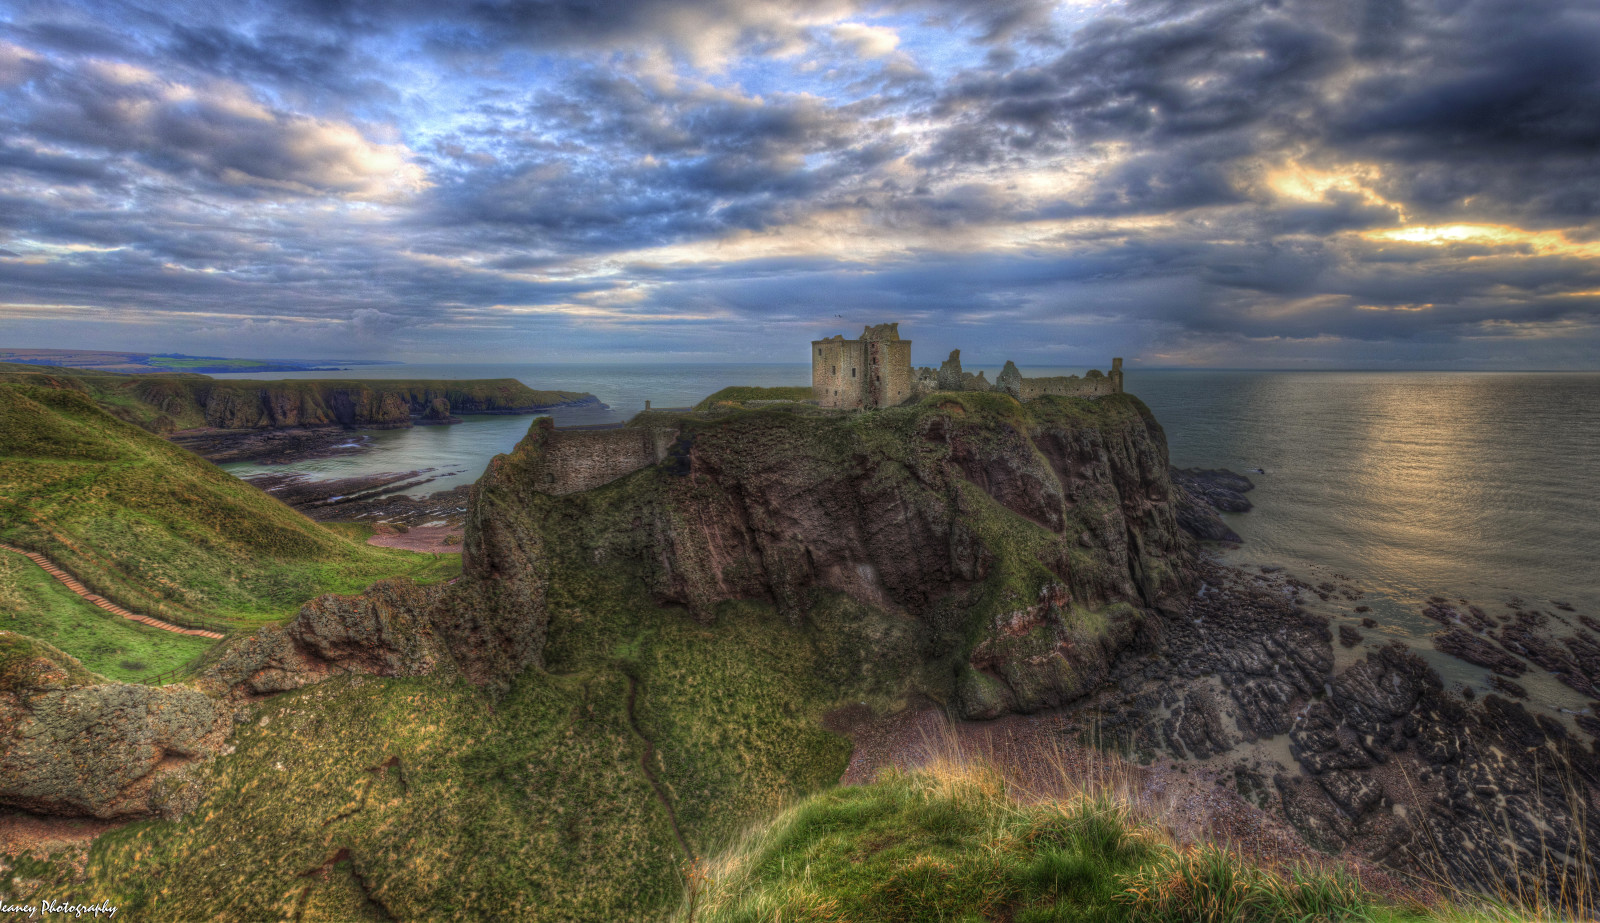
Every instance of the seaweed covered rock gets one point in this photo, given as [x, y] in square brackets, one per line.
[76, 744]
[1201, 494]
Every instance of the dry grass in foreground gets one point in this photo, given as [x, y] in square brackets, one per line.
[967, 839]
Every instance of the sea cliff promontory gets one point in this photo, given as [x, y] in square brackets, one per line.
[235, 419]
[999, 553]
[667, 632]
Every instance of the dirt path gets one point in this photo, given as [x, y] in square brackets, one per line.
[422, 538]
[71, 583]
[39, 835]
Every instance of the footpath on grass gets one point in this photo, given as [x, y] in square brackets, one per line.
[71, 583]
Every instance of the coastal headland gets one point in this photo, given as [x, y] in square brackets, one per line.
[666, 632]
[238, 419]
[100, 360]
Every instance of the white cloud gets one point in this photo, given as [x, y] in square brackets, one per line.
[866, 41]
[222, 130]
[17, 64]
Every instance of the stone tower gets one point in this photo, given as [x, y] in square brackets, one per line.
[864, 374]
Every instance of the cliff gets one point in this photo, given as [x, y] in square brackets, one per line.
[74, 743]
[1003, 553]
[660, 625]
[169, 403]
[159, 531]
[78, 744]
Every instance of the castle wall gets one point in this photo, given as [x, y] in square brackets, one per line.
[875, 371]
[576, 460]
[838, 373]
[889, 365]
[1068, 386]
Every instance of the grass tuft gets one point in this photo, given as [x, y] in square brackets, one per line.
[969, 838]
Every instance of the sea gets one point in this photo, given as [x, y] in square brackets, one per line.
[1476, 486]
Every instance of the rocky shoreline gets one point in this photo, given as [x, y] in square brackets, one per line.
[1376, 760]
[376, 498]
[1201, 494]
[272, 446]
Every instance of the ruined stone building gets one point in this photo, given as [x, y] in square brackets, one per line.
[1093, 384]
[872, 372]
[875, 371]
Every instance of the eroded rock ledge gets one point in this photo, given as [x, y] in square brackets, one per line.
[76, 744]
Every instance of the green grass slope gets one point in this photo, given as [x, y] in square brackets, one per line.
[161, 531]
[35, 604]
[739, 394]
[365, 799]
[953, 844]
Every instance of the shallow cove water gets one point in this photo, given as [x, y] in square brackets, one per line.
[460, 452]
[1468, 485]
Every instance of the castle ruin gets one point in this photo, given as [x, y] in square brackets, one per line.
[875, 371]
[872, 372]
[867, 373]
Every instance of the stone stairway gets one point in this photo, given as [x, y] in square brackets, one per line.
[71, 583]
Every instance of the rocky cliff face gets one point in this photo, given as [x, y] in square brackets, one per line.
[170, 403]
[1024, 543]
[256, 405]
[73, 743]
[387, 631]
[991, 555]
[79, 745]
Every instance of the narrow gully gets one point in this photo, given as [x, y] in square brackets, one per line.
[649, 773]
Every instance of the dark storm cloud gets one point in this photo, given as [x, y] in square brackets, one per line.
[477, 25]
[322, 64]
[1216, 67]
[1496, 103]
[625, 163]
[54, 167]
[526, 159]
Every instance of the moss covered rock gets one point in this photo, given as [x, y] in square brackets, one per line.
[75, 744]
[1020, 544]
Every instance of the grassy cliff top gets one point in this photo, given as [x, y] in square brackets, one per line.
[159, 530]
[739, 394]
[35, 604]
[28, 665]
[180, 400]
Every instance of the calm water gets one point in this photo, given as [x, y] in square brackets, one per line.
[1477, 486]
[459, 453]
[1467, 485]
[1461, 484]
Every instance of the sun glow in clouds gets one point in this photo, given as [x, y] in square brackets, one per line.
[1540, 243]
[1294, 180]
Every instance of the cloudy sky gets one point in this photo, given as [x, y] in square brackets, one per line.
[1279, 183]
